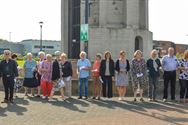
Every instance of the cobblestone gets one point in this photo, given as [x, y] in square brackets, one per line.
[36, 111]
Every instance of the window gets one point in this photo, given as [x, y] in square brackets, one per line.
[37, 46]
[50, 47]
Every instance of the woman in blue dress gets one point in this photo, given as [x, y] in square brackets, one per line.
[122, 68]
[30, 76]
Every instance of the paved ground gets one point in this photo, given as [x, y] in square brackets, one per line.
[35, 111]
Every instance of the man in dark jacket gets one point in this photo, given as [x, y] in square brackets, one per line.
[8, 72]
[55, 67]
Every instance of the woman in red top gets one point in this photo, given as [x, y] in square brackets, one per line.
[96, 77]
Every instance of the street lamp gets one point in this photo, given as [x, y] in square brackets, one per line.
[41, 23]
[187, 45]
[9, 36]
[86, 22]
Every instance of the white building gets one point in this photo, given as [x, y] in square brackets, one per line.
[49, 46]
[114, 25]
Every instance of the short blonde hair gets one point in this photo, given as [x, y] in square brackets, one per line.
[153, 51]
[137, 52]
[185, 54]
[82, 52]
[64, 55]
[122, 52]
[48, 55]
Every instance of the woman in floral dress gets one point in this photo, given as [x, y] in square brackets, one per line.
[139, 74]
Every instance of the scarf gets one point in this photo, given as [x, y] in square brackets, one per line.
[155, 64]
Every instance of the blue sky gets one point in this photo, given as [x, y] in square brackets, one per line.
[168, 19]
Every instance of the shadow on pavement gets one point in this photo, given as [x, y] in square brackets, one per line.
[71, 104]
[142, 107]
[19, 110]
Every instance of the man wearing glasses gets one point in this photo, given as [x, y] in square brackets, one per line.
[8, 72]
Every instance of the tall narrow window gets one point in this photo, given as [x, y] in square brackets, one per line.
[138, 43]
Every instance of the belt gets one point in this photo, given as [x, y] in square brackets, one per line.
[7, 76]
[170, 71]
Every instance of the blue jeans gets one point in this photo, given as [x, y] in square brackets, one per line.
[85, 82]
[153, 81]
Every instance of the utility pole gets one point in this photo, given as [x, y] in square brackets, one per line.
[41, 46]
[86, 22]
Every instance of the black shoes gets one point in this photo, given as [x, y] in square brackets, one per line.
[11, 101]
[38, 96]
[141, 99]
[5, 101]
[8, 101]
[134, 100]
[80, 97]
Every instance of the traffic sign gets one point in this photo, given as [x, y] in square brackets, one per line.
[84, 32]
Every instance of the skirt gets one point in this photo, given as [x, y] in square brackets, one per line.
[122, 80]
[30, 82]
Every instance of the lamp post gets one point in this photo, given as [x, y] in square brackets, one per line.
[10, 36]
[86, 22]
[41, 23]
[187, 45]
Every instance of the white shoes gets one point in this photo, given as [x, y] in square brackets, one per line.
[164, 100]
[51, 100]
[43, 97]
[120, 98]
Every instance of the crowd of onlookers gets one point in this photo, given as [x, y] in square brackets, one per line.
[49, 75]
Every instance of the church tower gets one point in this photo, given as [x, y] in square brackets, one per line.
[114, 25]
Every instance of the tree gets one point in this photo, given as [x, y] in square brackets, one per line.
[2, 40]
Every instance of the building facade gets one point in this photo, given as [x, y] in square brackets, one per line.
[162, 47]
[114, 25]
[48, 46]
[12, 46]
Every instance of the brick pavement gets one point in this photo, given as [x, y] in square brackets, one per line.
[35, 111]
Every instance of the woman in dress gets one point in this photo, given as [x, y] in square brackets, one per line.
[139, 74]
[41, 59]
[122, 68]
[46, 76]
[96, 77]
[107, 70]
[183, 77]
[30, 80]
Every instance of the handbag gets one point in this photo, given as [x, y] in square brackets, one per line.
[61, 84]
[67, 79]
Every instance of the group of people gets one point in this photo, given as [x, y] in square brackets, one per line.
[50, 75]
[45, 75]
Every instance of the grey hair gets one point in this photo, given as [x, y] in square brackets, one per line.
[7, 51]
[41, 53]
[29, 54]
